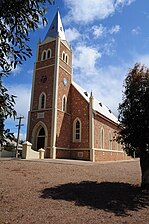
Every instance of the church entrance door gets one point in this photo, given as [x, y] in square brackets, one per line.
[41, 139]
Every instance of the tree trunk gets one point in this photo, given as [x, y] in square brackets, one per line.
[144, 163]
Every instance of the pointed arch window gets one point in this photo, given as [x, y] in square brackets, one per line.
[66, 58]
[49, 53]
[44, 55]
[102, 138]
[42, 101]
[63, 56]
[110, 140]
[64, 104]
[77, 130]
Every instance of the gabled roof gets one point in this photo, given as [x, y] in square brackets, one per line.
[98, 106]
[56, 28]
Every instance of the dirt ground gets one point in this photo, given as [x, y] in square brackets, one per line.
[72, 192]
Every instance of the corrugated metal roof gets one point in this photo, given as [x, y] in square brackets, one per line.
[97, 105]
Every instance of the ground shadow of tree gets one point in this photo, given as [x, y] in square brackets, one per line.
[118, 198]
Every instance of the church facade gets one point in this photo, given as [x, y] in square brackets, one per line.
[64, 119]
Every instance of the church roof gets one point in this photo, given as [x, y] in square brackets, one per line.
[97, 105]
[56, 28]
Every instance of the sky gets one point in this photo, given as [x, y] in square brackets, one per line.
[107, 37]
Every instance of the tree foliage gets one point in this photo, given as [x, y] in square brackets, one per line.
[134, 111]
[6, 110]
[17, 19]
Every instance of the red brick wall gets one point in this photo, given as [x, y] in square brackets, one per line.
[109, 156]
[63, 135]
[108, 127]
[80, 109]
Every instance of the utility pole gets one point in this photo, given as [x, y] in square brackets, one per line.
[18, 137]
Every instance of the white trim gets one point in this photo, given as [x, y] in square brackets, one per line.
[73, 149]
[55, 97]
[43, 67]
[91, 128]
[107, 150]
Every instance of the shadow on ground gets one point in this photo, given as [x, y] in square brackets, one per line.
[118, 198]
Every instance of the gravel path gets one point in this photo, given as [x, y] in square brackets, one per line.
[60, 192]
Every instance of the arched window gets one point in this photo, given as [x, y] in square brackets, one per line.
[44, 55]
[77, 130]
[64, 104]
[42, 101]
[102, 138]
[66, 58]
[63, 56]
[49, 53]
[41, 138]
[110, 140]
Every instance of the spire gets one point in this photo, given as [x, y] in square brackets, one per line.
[56, 28]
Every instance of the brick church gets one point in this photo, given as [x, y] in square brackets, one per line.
[64, 119]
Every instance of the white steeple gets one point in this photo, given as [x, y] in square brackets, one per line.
[56, 28]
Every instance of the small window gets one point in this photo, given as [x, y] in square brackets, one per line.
[64, 104]
[77, 130]
[66, 58]
[102, 138]
[63, 56]
[49, 53]
[110, 140]
[42, 101]
[43, 55]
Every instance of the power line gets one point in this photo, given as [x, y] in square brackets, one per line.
[18, 136]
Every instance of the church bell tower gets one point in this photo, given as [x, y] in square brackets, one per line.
[49, 115]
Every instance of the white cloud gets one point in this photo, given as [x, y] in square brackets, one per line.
[30, 72]
[136, 31]
[17, 70]
[85, 58]
[115, 29]
[88, 10]
[22, 107]
[99, 31]
[106, 84]
[72, 34]
[143, 59]
[22, 100]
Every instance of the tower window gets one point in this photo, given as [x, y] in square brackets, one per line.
[66, 58]
[64, 104]
[49, 53]
[42, 101]
[77, 130]
[43, 56]
[63, 56]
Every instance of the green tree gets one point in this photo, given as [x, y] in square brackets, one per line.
[134, 117]
[17, 19]
[6, 110]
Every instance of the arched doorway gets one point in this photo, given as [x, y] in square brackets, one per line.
[41, 138]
